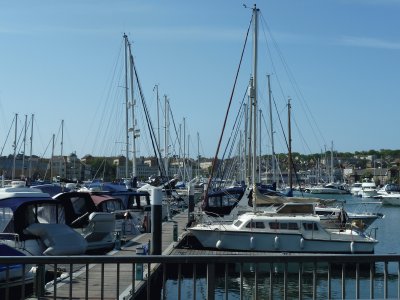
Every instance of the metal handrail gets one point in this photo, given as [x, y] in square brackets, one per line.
[378, 268]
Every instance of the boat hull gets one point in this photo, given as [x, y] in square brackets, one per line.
[272, 242]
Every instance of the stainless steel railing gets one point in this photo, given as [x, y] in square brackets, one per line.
[280, 276]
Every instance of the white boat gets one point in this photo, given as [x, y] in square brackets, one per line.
[330, 188]
[391, 199]
[368, 189]
[271, 232]
[355, 188]
[336, 217]
[390, 188]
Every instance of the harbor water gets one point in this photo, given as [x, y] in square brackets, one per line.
[385, 229]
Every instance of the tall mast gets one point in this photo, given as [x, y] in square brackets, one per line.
[250, 132]
[30, 151]
[166, 120]
[133, 115]
[332, 162]
[290, 162]
[62, 145]
[245, 150]
[198, 154]
[188, 156]
[254, 93]
[15, 147]
[23, 154]
[158, 116]
[273, 162]
[51, 161]
[184, 149]
[126, 107]
[259, 146]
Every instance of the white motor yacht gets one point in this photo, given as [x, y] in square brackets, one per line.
[368, 189]
[271, 232]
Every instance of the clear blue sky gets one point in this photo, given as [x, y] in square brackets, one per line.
[59, 61]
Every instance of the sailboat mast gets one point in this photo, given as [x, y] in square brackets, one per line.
[52, 157]
[62, 145]
[198, 155]
[23, 154]
[273, 161]
[30, 151]
[259, 146]
[246, 125]
[133, 114]
[184, 149]
[158, 116]
[250, 132]
[290, 161]
[254, 93]
[126, 107]
[166, 133]
[332, 180]
[15, 147]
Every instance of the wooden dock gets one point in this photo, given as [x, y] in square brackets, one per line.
[88, 283]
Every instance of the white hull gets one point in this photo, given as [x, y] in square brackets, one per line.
[393, 199]
[323, 190]
[272, 242]
[275, 232]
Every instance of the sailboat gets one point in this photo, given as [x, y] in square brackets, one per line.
[271, 231]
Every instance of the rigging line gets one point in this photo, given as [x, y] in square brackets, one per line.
[156, 149]
[227, 112]
[294, 85]
[301, 136]
[235, 129]
[267, 129]
[176, 131]
[19, 138]
[286, 141]
[105, 111]
[8, 134]
[233, 145]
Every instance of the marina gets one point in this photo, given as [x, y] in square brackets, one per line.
[137, 215]
[183, 262]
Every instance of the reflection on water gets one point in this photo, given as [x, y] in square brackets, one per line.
[264, 291]
[389, 243]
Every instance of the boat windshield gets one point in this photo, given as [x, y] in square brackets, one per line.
[6, 215]
[310, 226]
[237, 223]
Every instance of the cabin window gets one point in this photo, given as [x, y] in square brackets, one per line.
[310, 226]
[214, 201]
[79, 205]
[274, 225]
[111, 206]
[283, 225]
[323, 213]
[6, 216]
[228, 200]
[237, 223]
[260, 225]
[253, 224]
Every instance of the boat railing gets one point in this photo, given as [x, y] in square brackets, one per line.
[14, 237]
[211, 218]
